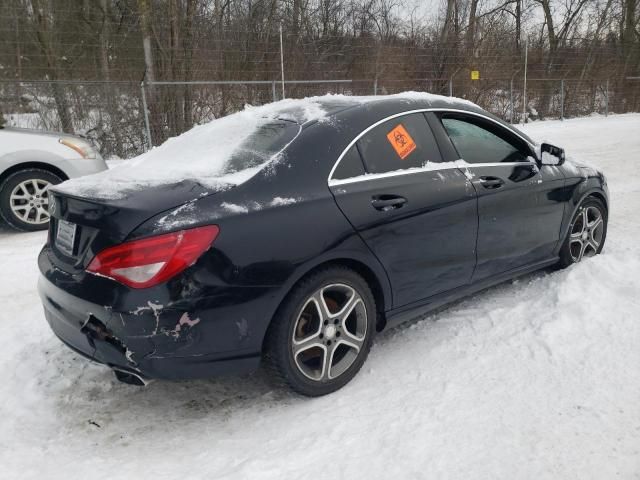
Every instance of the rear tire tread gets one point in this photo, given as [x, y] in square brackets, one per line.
[275, 357]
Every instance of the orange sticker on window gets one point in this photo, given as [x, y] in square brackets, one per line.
[401, 141]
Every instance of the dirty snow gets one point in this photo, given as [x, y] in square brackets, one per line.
[537, 378]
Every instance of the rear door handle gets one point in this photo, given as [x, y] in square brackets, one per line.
[491, 182]
[385, 203]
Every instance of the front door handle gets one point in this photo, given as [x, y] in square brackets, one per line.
[385, 203]
[491, 182]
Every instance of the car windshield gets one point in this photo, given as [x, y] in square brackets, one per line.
[266, 141]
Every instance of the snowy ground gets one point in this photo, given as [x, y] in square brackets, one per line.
[538, 378]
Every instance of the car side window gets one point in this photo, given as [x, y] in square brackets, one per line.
[350, 166]
[399, 144]
[477, 143]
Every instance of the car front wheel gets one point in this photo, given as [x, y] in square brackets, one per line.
[587, 232]
[322, 334]
[24, 199]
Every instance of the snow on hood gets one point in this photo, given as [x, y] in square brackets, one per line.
[203, 153]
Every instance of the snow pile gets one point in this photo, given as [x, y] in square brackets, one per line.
[537, 378]
[410, 96]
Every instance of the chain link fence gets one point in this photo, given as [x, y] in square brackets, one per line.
[112, 114]
[109, 113]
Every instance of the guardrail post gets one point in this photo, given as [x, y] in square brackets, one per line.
[273, 91]
[375, 86]
[562, 99]
[606, 99]
[147, 129]
[451, 86]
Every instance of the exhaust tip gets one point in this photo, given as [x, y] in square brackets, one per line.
[130, 378]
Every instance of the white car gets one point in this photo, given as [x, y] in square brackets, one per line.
[30, 162]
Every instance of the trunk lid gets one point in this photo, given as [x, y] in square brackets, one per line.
[81, 227]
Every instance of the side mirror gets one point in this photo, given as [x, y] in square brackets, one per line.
[551, 155]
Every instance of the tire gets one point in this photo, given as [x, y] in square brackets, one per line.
[587, 233]
[317, 353]
[30, 213]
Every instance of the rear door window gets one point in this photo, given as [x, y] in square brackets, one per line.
[399, 144]
[350, 166]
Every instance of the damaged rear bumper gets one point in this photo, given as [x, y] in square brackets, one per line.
[150, 342]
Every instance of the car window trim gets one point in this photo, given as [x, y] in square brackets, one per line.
[396, 173]
[459, 164]
[332, 182]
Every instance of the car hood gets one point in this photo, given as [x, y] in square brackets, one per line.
[40, 133]
[579, 168]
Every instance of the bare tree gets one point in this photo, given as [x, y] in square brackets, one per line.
[585, 42]
[44, 30]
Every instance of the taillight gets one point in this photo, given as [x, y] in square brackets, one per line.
[149, 261]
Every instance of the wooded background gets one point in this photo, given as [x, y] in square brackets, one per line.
[77, 65]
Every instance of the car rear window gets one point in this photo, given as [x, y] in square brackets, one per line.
[399, 144]
[261, 145]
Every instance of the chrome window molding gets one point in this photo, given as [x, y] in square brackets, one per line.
[375, 176]
[395, 173]
[445, 166]
[496, 164]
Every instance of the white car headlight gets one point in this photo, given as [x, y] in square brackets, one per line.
[82, 148]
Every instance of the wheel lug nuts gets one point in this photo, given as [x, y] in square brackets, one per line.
[337, 334]
[335, 321]
[321, 336]
[328, 342]
[326, 322]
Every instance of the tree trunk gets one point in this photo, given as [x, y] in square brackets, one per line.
[553, 40]
[44, 35]
[296, 18]
[518, 24]
[628, 34]
[104, 41]
[176, 115]
[155, 121]
[145, 25]
[188, 63]
[471, 28]
[18, 52]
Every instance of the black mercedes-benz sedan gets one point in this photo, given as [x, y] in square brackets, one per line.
[327, 220]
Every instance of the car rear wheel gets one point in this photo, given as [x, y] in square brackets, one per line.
[24, 199]
[322, 334]
[587, 232]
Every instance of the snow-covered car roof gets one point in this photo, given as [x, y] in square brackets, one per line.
[206, 152]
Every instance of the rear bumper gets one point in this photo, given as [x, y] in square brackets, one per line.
[102, 335]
